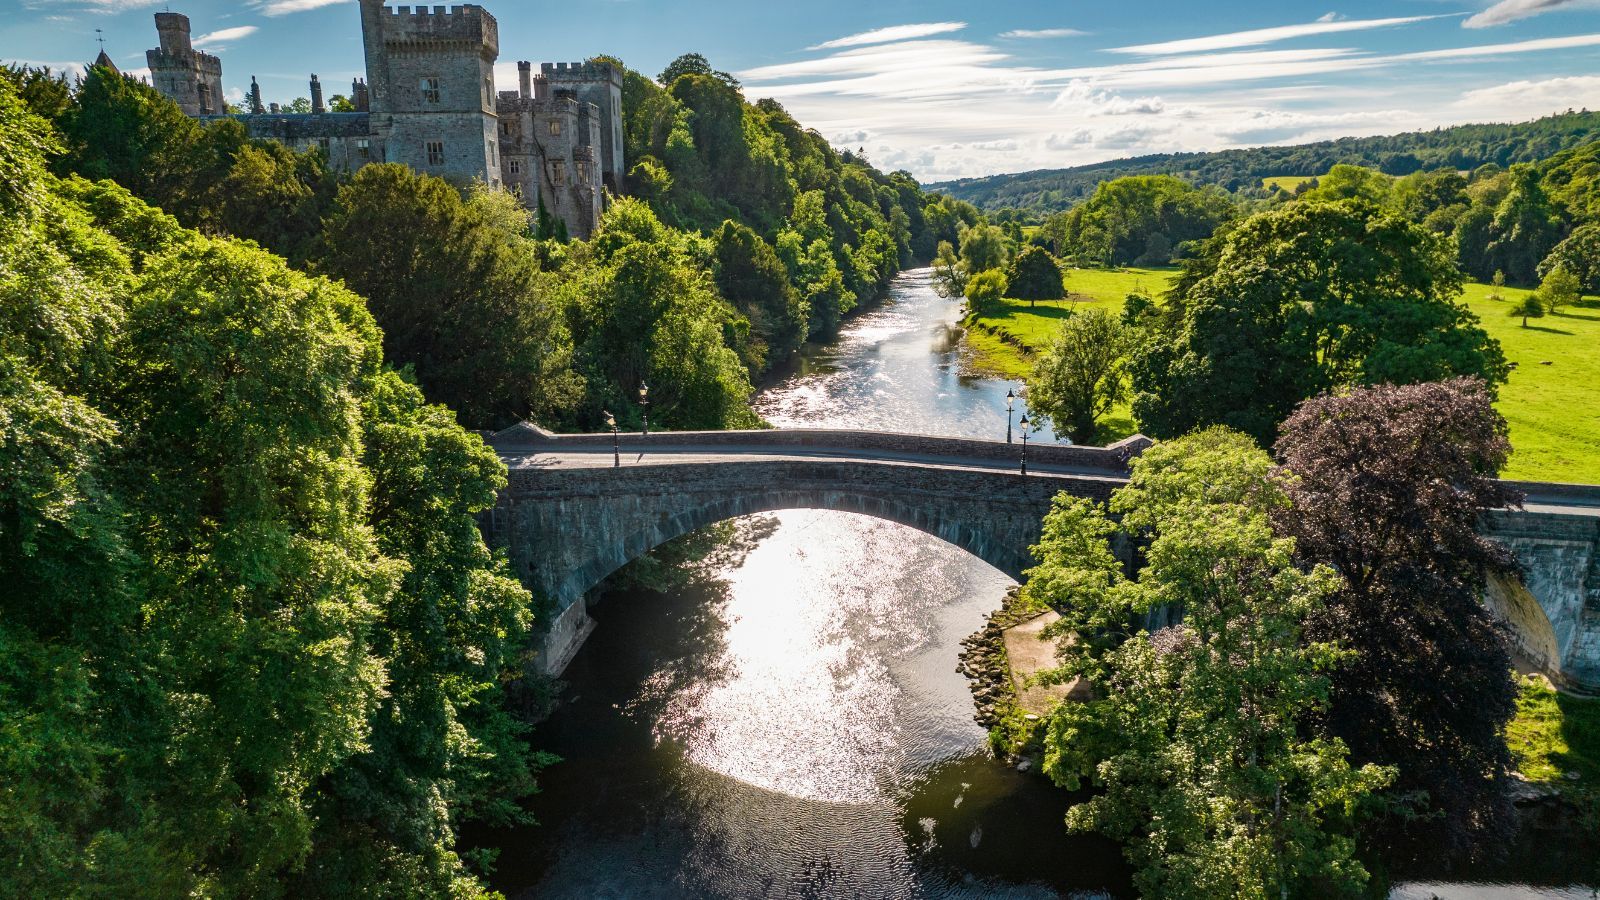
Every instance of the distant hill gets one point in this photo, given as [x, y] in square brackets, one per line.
[1460, 147]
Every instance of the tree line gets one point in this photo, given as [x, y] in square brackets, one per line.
[1459, 147]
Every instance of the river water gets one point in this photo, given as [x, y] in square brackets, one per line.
[795, 726]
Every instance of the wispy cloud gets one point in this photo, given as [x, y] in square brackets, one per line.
[1257, 36]
[1511, 10]
[224, 35]
[276, 8]
[875, 36]
[1036, 33]
[1534, 46]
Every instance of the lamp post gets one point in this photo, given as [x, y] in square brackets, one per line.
[616, 446]
[1024, 424]
[1010, 399]
[644, 403]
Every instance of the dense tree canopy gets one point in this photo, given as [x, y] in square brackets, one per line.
[1386, 490]
[1034, 275]
[1078, 377]
[1298, 300]
[1201, 737]
[250, 639]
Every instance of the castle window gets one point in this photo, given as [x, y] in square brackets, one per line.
[583, 172]
[429, 86]
[514, 165]
[558, 170]
[493, 158]
[555, 126]
[488, 92]
[436, 153]
[505, 128]
[363, 147]
[205, 97]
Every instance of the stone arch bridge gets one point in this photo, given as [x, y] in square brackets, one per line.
[571, 515]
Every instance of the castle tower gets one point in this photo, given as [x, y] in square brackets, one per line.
[190, 77]
[430, 78]
[316, 95]
[601, 85]
[358, 95]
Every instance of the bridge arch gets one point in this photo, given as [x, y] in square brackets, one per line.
[976, 539]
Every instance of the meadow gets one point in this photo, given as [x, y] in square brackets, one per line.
[1551, 402]
[1287, 182]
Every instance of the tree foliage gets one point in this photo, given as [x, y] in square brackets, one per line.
[1201, 737]
[1298, 300]
[1388, 483]
[1034, 275]
[1079, 376]
[251, 636]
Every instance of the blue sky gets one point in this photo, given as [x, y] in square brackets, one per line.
[949, 89]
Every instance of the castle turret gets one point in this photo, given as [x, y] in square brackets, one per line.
[191, 78]
[316, 96]
[255, 97]
[524, 79]
[599, 83]
[431, 78]
[359, 98]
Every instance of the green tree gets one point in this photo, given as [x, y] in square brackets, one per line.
[1529, 307]
[457, 297]
[124, 130]
[1078, 377]
[1497, 285]
[949, 272]
[1201, 737]
[986, 290]
[1525, 227]
[984, 247]
[1387, 488]
[751, 277]
[1578, 254]
[1346, 182]
[1297, 300]
[1559, 288]
[1034, 275]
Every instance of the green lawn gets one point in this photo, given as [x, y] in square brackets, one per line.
[1553, 410]
[1556, 734]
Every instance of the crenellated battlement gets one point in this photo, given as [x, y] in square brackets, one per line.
[416, 27]
[580, 71]
[198, 60]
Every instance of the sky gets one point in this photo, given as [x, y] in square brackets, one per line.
[958, 89]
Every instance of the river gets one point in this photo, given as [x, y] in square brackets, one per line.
[795, 726]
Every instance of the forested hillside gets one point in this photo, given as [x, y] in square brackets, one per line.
[1462, 147]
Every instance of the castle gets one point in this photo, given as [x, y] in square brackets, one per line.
[429, 101]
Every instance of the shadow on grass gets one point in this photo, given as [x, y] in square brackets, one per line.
[1044, 309]
[1548, 330]
[1573, 315]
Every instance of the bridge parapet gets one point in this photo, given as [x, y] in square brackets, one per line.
[1113, 458]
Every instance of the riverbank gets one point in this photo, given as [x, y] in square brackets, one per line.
[1551, 402]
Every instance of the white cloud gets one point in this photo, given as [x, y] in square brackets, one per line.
[1507, 11]
[224, 35]
[1026, 33]
[1534, 46]
[1329, 17]
[285, 7]
[876, 36]
[1259, 36]
[1516, 100]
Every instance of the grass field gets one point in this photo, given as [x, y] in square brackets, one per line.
[1552, 401]
[1556, 734]
[1287, 182]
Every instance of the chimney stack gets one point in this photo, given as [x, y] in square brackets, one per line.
[255, 97]
[316, 96]
[525, 79]
[359, 96]
[274, 108]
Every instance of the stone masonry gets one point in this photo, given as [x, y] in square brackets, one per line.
[568, 525]
[429, 101]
